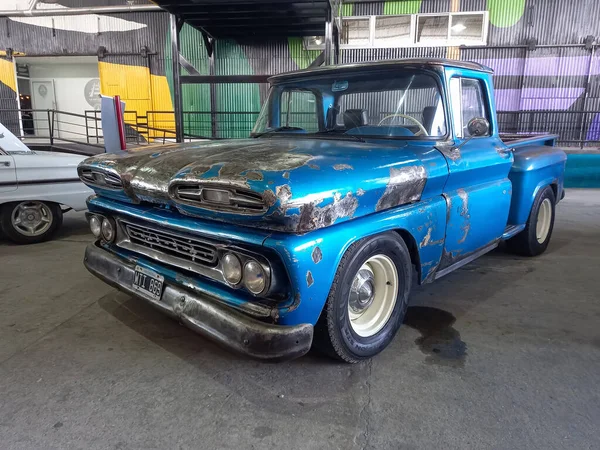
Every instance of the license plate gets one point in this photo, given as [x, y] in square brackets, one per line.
[148, 283]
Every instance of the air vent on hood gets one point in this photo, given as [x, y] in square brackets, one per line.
[100, 178]
[219, 198]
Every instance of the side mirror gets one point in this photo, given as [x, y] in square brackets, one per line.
[478, 126]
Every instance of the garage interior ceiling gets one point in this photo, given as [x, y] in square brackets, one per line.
[223, 19]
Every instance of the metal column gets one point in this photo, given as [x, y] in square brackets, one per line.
[327, 53]
[177, 102]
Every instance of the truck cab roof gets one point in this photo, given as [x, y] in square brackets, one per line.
[412, 63]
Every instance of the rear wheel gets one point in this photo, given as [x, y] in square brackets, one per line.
[29, 222]
[534, 239]
[368, 299]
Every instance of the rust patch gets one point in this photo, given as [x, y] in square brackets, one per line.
[317, 255]
[464, 212]
[284, 193]
[405, 186]
[426, 239]
[269, 197]
[254, 175]
[286, 175]
[309, 279]
[465, 229]
[313, 217]
[343, 167]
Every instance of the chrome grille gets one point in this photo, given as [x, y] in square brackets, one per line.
[220, 198]
[173, 244]
[100, 178]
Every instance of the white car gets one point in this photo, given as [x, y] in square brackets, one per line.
[35, 189]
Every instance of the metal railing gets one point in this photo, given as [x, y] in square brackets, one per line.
[575, 128]
[50, 126]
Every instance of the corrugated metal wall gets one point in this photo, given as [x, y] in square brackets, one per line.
[545, 78]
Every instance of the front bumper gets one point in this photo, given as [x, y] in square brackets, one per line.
[206, 316]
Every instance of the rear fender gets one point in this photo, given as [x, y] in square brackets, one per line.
[312, 259]
[534, 168]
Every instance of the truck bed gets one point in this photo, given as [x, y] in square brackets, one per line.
[522, 140]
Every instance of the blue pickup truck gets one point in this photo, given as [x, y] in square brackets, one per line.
[356, 181]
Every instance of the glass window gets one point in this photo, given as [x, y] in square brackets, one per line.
[467, 28]
[356, 32]
[392, 105]
[392, 30]
[411, 110]
[299, 109]
[468, 102]
[432, 28]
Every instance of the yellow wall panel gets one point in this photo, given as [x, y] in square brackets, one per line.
[7, 74]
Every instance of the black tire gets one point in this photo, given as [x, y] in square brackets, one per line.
[526, 242]
[334, 334]
[17, 237]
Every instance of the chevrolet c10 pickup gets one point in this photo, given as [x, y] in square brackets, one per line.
[356, 180]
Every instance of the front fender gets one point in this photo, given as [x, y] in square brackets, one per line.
[312, 259]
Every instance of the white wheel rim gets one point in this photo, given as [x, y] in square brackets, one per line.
[31, 218]
[544, 219]
[373, 295]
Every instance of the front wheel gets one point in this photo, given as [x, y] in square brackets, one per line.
[29, 222]
[368, 299]
[534, 239]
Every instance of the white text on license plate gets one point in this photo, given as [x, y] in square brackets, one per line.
[148, 282]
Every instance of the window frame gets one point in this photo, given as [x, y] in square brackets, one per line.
[412, 41]
[409, 42]
[468, 43]
[457, 99]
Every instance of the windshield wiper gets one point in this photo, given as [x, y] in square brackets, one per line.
[275, 130]
[333, 133]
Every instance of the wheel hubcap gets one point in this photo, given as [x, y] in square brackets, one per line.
[373, 295]
[544, 219]
[31, 218]
[362, 292]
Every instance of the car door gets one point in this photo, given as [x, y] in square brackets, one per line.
[8, 173]
[477, 190]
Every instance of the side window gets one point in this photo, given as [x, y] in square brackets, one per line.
[472, 102]
[468, 102]
[299, 109]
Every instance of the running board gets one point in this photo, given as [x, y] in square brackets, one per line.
[467, 260]
[512, 230]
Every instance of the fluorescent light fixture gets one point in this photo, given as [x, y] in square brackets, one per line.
[458, 28]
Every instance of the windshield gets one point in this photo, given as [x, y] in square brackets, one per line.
[405, 106]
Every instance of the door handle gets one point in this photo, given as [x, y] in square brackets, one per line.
[5, 163]
[504, 151]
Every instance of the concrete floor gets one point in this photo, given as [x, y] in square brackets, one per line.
[504, 353]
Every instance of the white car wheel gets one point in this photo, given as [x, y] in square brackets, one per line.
[373, 295]
[31, 218]
[544, 219]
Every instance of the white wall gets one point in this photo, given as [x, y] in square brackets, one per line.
[72, 76]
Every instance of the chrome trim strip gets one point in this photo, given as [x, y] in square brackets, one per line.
[241, 200]
[467, 260]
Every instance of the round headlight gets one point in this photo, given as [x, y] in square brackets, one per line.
[96, 225]
[108, 230]
[232, 268]
[254, 277]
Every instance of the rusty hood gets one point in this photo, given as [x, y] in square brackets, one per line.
[303, 184]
